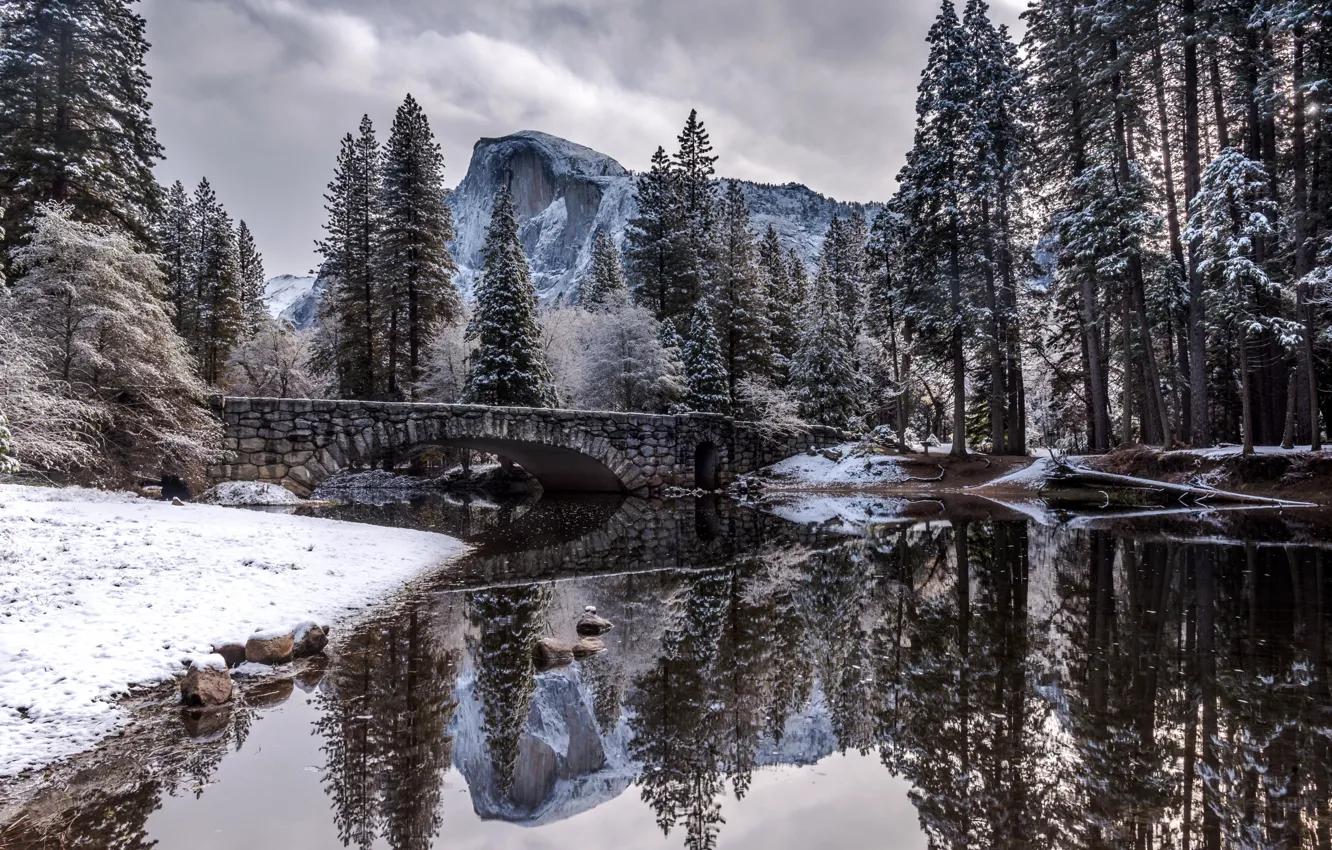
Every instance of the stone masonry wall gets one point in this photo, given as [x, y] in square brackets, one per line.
[299, 443]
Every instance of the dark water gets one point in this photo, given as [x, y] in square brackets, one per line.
[961, 676]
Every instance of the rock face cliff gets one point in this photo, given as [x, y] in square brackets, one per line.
[564, 193]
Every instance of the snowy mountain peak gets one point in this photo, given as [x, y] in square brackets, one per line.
[285, 292]
[562, 154]
[565, 192]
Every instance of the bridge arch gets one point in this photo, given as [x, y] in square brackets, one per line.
[300, 443]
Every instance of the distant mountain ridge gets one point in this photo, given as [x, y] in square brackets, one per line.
[564, 193]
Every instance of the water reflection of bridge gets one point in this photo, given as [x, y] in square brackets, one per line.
[1083, 677]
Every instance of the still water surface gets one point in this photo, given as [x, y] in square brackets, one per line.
[963, 677]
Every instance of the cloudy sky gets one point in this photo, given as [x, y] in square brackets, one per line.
[256, 94]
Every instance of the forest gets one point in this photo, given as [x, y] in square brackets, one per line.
[1112, 230]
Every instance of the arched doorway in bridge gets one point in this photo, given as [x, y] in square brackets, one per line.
[705, 466]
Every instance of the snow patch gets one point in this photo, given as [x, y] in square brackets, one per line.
[855, 468]
[250, 493]
[100, 592]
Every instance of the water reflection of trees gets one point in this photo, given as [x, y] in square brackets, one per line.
[510, 622]
[1146, 694]
[384, 721]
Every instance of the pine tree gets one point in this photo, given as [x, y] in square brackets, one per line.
[655, 239]
[175, 236]
[823, 373]
[672, 351]
[354, 309]
[705, 365]
[783, 303]
[219, 312]
[250, 274]
[741, 297]
[604, 287]
[1229, 220]
[695, 167]
[75, 127]
[795, 266]
[508, 367]
[932, 183]
[413, 264]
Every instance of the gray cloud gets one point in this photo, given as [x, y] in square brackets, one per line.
[256, 94]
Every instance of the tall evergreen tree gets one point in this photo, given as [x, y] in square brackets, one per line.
[705, 364]
[250, 274]
[354, 309]
[219, 312]
[413, 264]
[175, 237]
[741, 296]
[783, 302]
[932, 184]
[823, 373]
[604, 287]
[75, 127]
[1228, 223]
[508, 367]
[654, 240]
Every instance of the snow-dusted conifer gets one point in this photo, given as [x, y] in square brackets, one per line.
[413, 264]
[654, 240]
[932, 183]
[741, 296]
[75, 125]
[175, 237]
[508, 367]
[220, 313]
[823, 373]
[604, 288]
[1229, 219]
[250, 274]
[92, 302]
[783, 304]
[705, 365]
[353, 311]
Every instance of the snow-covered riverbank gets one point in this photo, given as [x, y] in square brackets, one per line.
[102, 591]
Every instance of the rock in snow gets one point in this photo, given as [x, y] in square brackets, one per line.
[207, 683]
[270, 648]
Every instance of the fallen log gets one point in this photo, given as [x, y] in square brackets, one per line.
[1077, 487]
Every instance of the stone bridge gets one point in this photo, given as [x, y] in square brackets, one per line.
[299, 443]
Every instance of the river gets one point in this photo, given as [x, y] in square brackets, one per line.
[879, 673]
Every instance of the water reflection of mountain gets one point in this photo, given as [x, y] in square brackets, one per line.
[1142, 683]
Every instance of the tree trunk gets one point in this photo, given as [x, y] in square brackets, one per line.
[1197, 333]
[958, 352]
[904, 404]
[1304, 244]
[997, 390]
[1246, 403]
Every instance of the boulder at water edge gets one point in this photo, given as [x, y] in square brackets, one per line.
[310, 640]
[207, 683]
[272, 647]
[232, 653]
